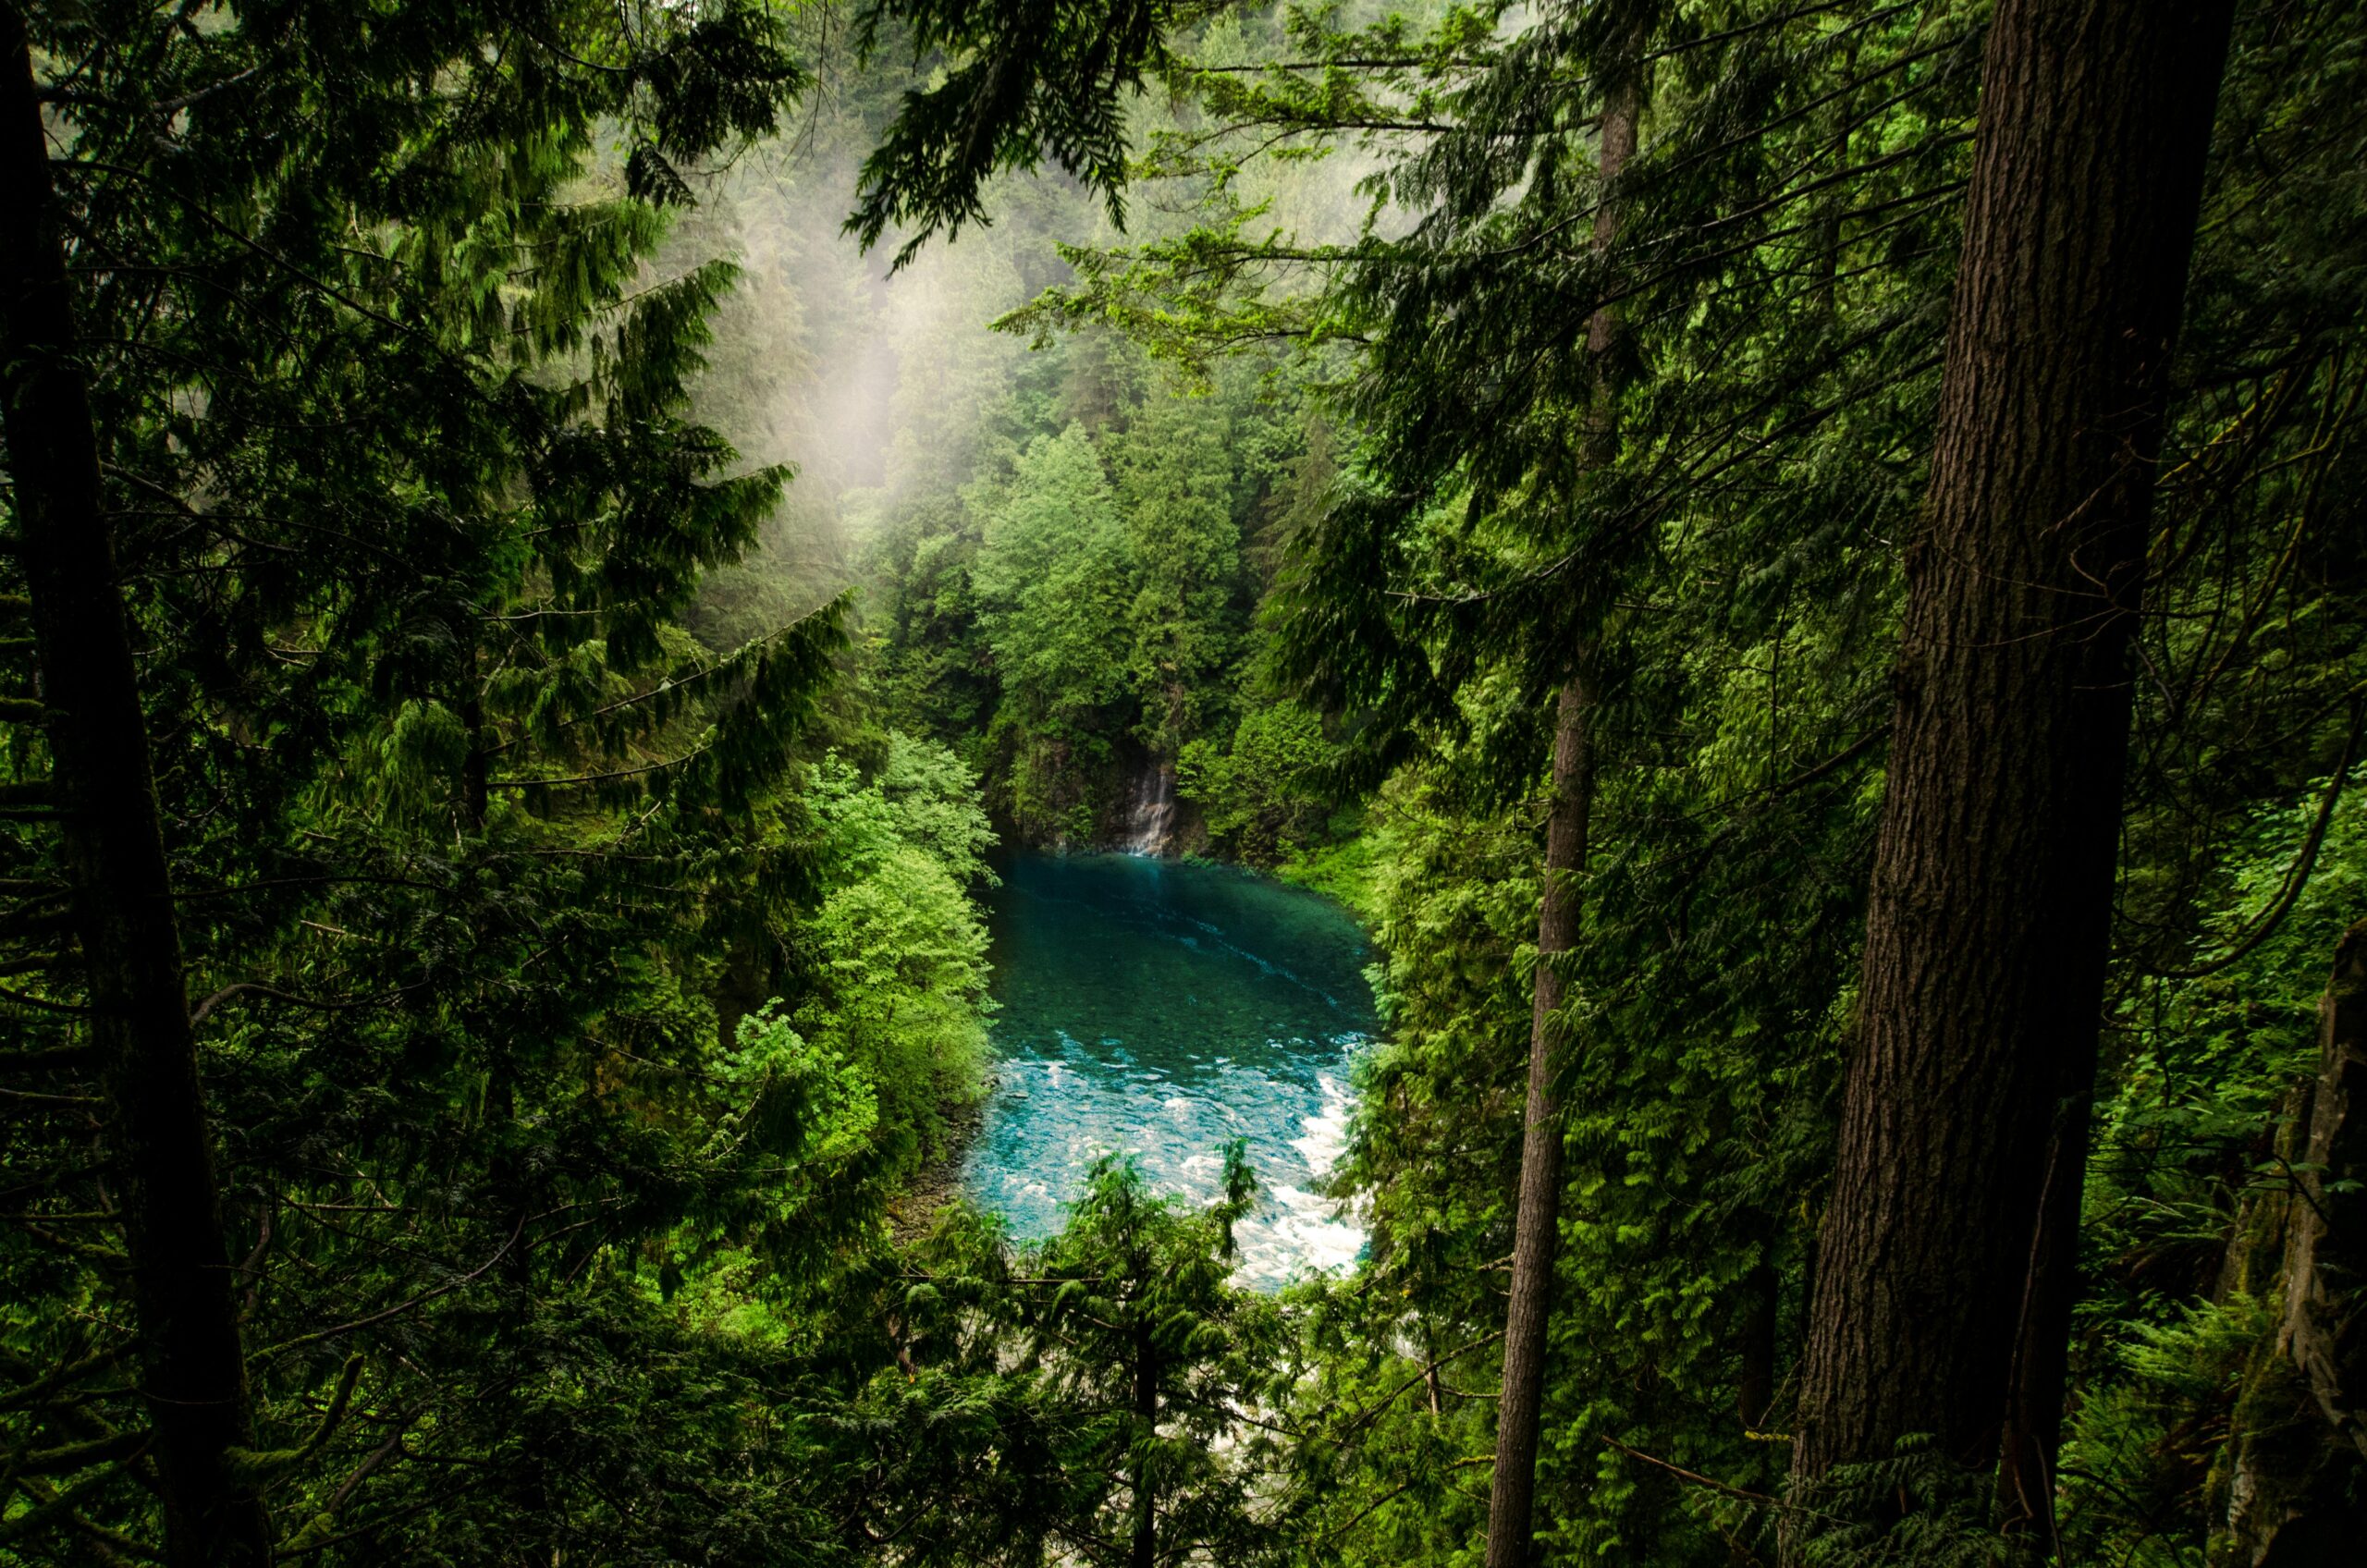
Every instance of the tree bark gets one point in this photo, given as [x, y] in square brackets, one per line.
[2325, 1251]
[476, 789]
[193, 1369]
[1537, 1216]
[1510, 1502]
[1755, 1390]
[2291, 1487]
[1948, 1240]
[1145, 1554]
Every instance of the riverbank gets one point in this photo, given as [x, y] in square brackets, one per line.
[912, 1212]
[1341, 871]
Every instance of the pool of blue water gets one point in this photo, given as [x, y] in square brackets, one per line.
[1160, 1010]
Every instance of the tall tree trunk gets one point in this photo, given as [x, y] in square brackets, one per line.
[477, 790]
[1537, 1223]
[1510, 1511]
[1963, 1124]
[192, 1370]
[2291, 1489]
[1145, 1554]
[2032, 1430]
[1832, 209]
[1755, 1390]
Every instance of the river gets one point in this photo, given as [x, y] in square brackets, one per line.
[1160, 1009]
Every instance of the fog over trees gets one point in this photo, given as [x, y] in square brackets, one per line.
[1786, 560]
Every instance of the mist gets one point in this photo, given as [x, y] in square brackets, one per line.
[875, 386]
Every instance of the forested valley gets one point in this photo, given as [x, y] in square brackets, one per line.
[1784, 561]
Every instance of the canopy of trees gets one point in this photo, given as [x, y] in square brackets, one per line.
[1786, 557]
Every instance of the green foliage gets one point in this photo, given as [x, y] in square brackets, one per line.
[1919, 1506]
[929, 655]
[2204, 1076]
[586, 942]
[1102, 1394]
[1051, 575]
[1075, 613]
[1024, 81]
[894, 952]
[483, 859]
[1165, 1364]
[1053, 570]
[1710, 508]
[1174, 484]
[1263, 795]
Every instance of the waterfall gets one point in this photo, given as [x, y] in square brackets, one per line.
[1150, 811]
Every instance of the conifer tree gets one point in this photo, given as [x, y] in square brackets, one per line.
[404, 511]
[192, 1366]
[1174, 484]
[569, 970]
[1945, 1259]
[1536, 1224]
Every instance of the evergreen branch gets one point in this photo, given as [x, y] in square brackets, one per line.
[609, 777]
[1768, 24]
[1368, 1414]
[1410, 62]
[1697, 1478]
[318, 1004]
[28, 999]
[37, 1391]
[229, 231]
[106, 1543]
[254, 1466]
[30, 1098]
[113, 1449]
[2298, 877]
[59, 1504]
[398, 1308]
[315, 1533]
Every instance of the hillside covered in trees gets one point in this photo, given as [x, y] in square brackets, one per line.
[1794, 564]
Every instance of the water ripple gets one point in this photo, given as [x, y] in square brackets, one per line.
[1197, 1041]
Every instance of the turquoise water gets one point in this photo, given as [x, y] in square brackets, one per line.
[1161, 1009]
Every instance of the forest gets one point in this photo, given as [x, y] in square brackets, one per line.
[1779, 564]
